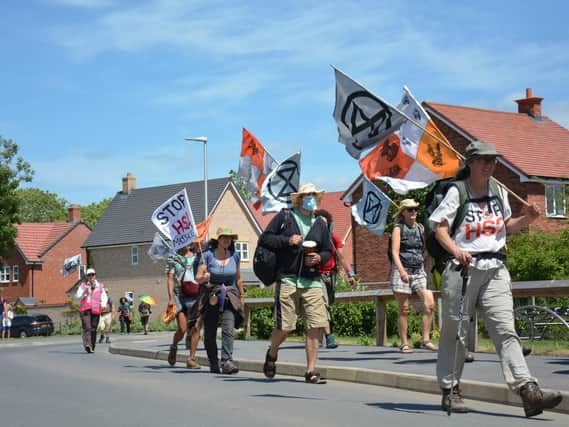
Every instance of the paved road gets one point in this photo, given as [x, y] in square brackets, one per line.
[53, 383]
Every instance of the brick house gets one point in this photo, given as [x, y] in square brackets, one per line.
[535, 166]
[118, 246]
[331, 201]
[33, 271]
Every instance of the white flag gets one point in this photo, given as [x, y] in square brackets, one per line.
[362, 118]
[278, 185]
[70, 265]
[174, 218]
[371, 211]
[160, 249]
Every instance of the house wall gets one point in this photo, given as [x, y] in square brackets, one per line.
[22, 288]
[114, 268]
[49, 284]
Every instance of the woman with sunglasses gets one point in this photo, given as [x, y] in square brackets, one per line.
[92, 298]
[408, 273]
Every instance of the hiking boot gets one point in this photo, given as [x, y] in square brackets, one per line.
[330, 341]
[535, 400]
[172, 355]
[193, 364]
[229, 368]
[453, 402]
[468, 357]
[214, 369]
[107, 340]
[101, 339]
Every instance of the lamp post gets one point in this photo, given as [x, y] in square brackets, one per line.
[203, 139]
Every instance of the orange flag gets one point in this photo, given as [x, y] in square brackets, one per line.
[203, 228]
[255, 163]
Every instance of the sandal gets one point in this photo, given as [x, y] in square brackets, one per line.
[172, 355]
[313, 378]
[405, 348]
[270, 367]
[428, 345]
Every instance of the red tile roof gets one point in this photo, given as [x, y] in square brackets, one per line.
[330, 202]
[537, 148]
[34, 238]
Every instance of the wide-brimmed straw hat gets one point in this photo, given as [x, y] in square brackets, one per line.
[305, 189]
[225, 231]
[405, 204]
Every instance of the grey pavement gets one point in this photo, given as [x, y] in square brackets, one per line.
[383, 366]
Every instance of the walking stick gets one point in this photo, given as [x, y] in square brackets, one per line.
[459, 337]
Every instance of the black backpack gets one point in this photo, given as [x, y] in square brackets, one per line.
[265, 260]
[433, 199]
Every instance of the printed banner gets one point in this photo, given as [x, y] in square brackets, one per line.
[282, 181]
[371, 210]
[174, 218]
[363, 119]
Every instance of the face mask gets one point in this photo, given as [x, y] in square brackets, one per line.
[309, 203]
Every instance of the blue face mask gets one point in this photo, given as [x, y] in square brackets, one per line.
[309, 203]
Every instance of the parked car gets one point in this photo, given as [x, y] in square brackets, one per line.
[27, 325]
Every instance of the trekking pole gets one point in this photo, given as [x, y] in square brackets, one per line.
[459, 337]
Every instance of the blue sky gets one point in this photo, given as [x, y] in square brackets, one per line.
[93, 89]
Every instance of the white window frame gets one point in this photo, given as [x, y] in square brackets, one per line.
[15, 273]
[134, 255]
[5, 274]
[242, 248]
[558, 195]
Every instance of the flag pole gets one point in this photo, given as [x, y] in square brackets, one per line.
[438, 138]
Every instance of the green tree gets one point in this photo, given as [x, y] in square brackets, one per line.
[91, 213]
[241, 185]
[41, 206]
[13, 170]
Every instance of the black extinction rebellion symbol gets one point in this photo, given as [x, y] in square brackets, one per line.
[372, 208]
[282, 182]
[354, 118]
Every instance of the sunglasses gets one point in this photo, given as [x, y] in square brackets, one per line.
[90, 274]
[411, 209]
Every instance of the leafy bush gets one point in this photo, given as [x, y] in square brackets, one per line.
[550, 262]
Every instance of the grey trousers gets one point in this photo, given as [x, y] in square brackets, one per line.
[490, 291]
[211, 319]
[89, 323]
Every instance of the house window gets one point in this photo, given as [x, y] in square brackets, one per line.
[242, 248]
[134, 255]
[15, 273]
[4, 274]
[555, 200]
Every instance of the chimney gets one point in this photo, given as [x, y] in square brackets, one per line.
[530, 105]
[74, 214]
[128, 183]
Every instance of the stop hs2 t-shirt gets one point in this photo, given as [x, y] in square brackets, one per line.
[484, 225]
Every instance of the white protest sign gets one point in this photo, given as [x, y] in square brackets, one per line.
[174, 218]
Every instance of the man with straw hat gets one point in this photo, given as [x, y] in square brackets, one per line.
[476, 275]
[301, 242]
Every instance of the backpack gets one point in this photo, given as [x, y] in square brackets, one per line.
[265, 260]
[433, 199]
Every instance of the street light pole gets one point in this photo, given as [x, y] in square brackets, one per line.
[203, 139]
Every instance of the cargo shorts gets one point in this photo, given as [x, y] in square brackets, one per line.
[291, 301]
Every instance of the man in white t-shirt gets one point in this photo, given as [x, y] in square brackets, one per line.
[475, 246]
